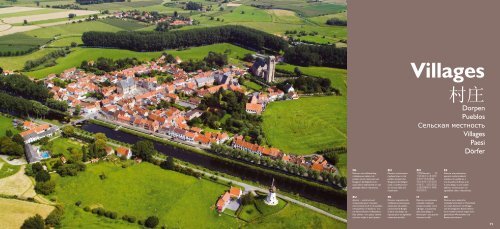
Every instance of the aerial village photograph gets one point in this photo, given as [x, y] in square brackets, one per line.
[173, 114]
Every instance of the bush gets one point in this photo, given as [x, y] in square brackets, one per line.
[140, 222]
[131, 219]
[42, 176]
[87, 208]
[54, 218]
[78, 203]
[34, 222]
[151, 222]
[113, 215]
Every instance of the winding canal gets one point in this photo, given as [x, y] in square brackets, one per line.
[288, 185]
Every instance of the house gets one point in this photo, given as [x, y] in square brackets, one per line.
[223, 201]
[123, 152]
[253, 108]
[235, 192]
[38, 132]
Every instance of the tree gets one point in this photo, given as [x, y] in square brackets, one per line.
[54, 218]
[144, 149]
[297, 71]
[1, 70]
[77, 111]
[8, 133]
[74, 44]
[71, 15]
[151, 222]
[68, 131]
[42, 176]
[34, 222]
[25, 22]
[247, 199]
[168, 163]
[45, 188]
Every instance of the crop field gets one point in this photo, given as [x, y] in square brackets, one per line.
[7, 169]
[17, 184]
[307, 9]
[45, 16]
[20, 42]
[13, 212]
[72, 29]
[306, 125]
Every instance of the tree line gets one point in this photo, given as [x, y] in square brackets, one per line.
[157, 41]
[46, 60]
[317, 55]
[20, 85]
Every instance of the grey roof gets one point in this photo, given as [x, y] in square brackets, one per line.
[126, 83]
[51, 130]
[31, 154]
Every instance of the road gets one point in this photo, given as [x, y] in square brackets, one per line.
[249, 187]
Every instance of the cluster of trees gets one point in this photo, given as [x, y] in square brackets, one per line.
[34, 222]
[58, 105]
[103, 65]
[44, 184]
[150, 222]
[336, 21]
[68, 6]
[212, 60]
[12, 145]
[275, 164]
[317, 55]
[71, 168]
[155, 41]
[308, 84]
[21, 106]
[102, 212]
[170, 165]
[194, 6]
[20, 85]
[225, 102]
[46, 60]
[145, 149]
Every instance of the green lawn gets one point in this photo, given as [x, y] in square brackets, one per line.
[252, 85]
[67, 147]
[142, 190]
[6, 124]
[337, 76]
[7, 169]
[306, 125]
[249, 213]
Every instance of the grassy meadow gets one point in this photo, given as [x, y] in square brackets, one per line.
[6, 124]
[7, 169]
[337, 76]
[306, 125]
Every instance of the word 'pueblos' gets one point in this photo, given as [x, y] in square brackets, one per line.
[458, 74]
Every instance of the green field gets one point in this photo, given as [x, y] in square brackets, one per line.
[28, 13]
[66, 41]
[251, 85]
[337, 76]
[6, 124]
[20, 42]
[7, 169]
[75, 58]
[306, 125]
[72, 29]
[124, 24]
[321, 20]
[142, 190]
[307, 9]
[198, 53]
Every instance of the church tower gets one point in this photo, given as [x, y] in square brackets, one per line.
[271, 197]
[271, 68]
